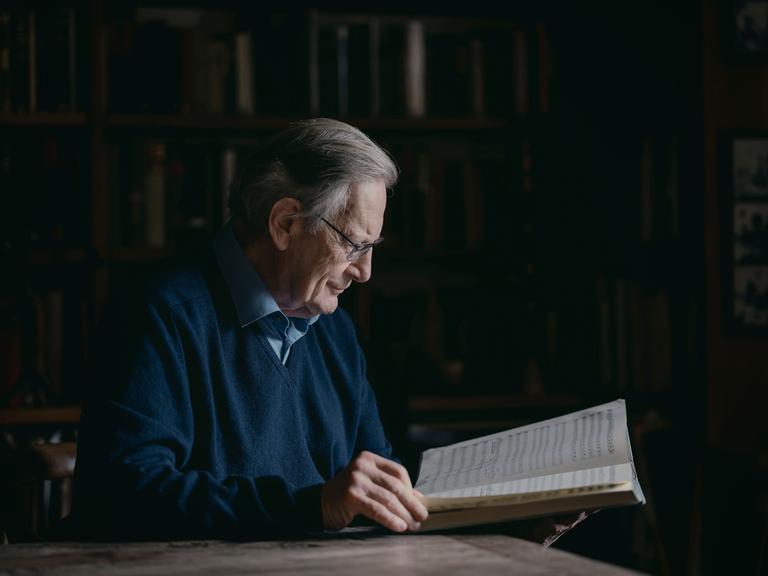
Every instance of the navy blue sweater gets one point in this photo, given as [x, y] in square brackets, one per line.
[195, 429]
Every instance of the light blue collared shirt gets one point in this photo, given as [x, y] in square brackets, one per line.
[253, 301]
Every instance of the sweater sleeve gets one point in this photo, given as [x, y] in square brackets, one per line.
[370, 432]
[134, 478]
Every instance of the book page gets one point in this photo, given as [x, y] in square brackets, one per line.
[591, 438]
[614, 474]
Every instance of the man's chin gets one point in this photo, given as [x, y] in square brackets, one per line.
[327, 306]
[312, 309]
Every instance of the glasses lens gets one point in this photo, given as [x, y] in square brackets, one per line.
[357, 252]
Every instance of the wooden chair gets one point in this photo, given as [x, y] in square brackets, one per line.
[35, 489]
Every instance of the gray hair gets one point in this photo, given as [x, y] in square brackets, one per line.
[314, 161]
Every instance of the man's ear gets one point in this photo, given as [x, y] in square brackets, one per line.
[284, 221]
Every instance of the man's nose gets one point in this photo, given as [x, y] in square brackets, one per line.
[360, 269]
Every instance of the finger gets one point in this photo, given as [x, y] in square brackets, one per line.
[393, 503]
[405, 494]
[394, 478]
[393, 468]
[379, 513]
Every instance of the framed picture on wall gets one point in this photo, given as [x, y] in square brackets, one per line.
[744, 188]
[745, 30]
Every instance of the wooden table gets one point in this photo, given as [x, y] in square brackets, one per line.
[354, 552]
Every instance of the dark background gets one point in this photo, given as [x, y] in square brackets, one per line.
[540, 257]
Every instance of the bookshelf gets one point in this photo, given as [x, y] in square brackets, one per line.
[55, 415]
[513, 276]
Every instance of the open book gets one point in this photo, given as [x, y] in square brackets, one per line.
[576, 462]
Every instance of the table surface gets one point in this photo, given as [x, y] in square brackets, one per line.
[355, 551]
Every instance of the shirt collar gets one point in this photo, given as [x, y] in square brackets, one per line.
[250, 295]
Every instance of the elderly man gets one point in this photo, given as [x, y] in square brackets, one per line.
[234, 401]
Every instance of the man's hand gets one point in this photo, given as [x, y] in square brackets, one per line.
[376, 488]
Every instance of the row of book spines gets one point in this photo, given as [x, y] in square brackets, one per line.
[206, 62]
[635, 334]
[188, 71]
[370, 69]
[170, 196]
[440, 340]
[374, 68]
[158, 189]
[38, 61]
[43, 348]
[442, 202]
[633, 346]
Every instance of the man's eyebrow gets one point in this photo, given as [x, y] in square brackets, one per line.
[355, 236]
[368, 239]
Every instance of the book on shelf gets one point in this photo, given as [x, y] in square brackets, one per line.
[659, 189]
[415, 65]
[636, 329]
[170, 195]
[580, 461]
[477, 69]
[361, 70]
[244, 73]
[447, 73]
[155, 195]
[390, 100]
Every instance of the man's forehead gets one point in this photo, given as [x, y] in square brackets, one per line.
[365, 204]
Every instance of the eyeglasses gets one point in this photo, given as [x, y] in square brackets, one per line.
[358, 250]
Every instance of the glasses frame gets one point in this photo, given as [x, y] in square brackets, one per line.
[358, 250]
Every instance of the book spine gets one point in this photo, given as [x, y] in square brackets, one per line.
[5, 62]
[314, 65]
[71, 20]
[244, 73]
[20, 62]
[473, 202]
[415, 68]
[154, 193]
[620, 318]
[328, 71]
[392, 70]
[219, 71]
[189, 71]
[342, 70]
[520, 70]
[375, 67]
[453, 217]
[198, 71]
[10, 353]
[228, 172]
[545, 68]
[672, 188]
[32, 72]
[647, 192]
[605, 338]
[477, 77]
[54, 342]
[115, 190]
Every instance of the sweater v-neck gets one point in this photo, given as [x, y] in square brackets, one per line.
[298, 349]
